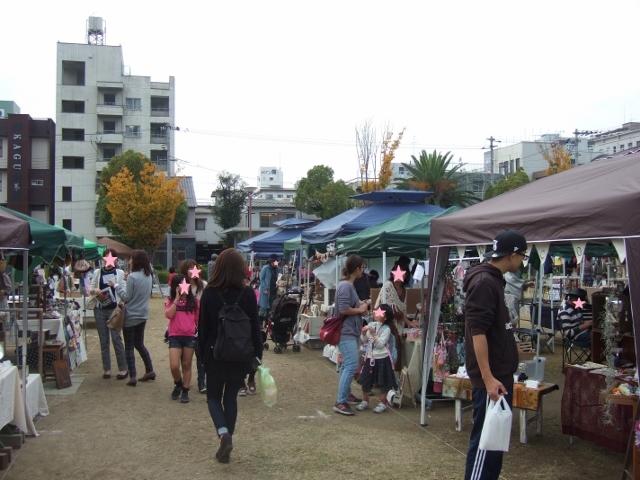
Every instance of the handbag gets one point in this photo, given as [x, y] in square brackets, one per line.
[331, 330]
[116, 320]
[91, 302]
[496, 430]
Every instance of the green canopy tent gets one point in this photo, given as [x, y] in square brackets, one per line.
[93, 250]
[49, 241]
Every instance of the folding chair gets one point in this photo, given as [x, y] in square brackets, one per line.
[572, 353]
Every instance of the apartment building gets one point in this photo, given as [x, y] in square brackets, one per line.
[102, 111]
[616, 140]
[27, 158]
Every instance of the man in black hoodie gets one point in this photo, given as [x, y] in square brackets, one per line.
[491, 351]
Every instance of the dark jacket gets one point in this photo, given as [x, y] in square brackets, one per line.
[487, 314]
[210, 305]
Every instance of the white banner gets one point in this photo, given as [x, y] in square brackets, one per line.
[578, 248]
[621, 248]
[543, 251]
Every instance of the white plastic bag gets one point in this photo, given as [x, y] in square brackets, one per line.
[496, 431]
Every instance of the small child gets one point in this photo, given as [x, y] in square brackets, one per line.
[378, 367]
[182, 310]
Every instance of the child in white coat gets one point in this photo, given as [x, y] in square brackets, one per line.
[378, 367]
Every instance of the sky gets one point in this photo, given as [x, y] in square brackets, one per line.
[287, 83]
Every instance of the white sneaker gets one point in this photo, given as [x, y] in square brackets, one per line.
[362, 406]
[382, 407]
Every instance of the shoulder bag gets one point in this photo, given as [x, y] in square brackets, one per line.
[331, 330]
[116, 320]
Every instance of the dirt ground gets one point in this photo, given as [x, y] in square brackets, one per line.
[109, 430]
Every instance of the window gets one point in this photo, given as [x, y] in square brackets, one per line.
[637, 145]
[133, 131]
[109, 126]
[2, 147]
[511, 166]
[109, 98]
[97, 218]
[66, 223]
[517, 163]
[267, 219]
[108, 153]
[38, 208]
[73, 134]
[66, 194]
[622, 147]
[37, 183]
[629, 145]
[98, 181]
[201, 223]
[269, 196]
[290, 196]
[73, 162]
[158, 130]
[72, 106]
[280, 195]
[159, 157]
[72, 73]
[134, 104]
[614, 149]
[159, 104]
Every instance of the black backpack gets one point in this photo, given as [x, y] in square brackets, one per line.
[234, 342]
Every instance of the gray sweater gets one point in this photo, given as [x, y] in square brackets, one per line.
[136, 297]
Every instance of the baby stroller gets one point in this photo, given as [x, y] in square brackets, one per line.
[283, 321]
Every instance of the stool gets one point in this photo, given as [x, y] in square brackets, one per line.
[58, 349]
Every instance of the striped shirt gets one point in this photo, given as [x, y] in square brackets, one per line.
[570, 319]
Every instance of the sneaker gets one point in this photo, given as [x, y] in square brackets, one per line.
[353, 400]
[185, 395]
[363, 405]
[242, 392]
[382, 407]
[176, 390]
[226, 446]
[202, 388]
[343, 408]
[252, 388]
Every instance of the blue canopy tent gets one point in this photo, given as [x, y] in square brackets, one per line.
[272, 242]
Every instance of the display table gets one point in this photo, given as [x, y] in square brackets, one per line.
[581, 410]
[12, 405]
[524, 399]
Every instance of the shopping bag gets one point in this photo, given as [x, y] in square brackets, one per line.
[496, 431]
[331, 330]
[116, 320]
[267, 386]
[92, 302]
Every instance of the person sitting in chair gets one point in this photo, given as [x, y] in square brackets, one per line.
[575, 318]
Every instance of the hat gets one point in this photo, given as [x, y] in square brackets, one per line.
[506, 243]
[214, 256]
[273, 257]
[581, 293]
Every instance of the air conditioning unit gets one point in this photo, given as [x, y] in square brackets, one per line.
[2, 113]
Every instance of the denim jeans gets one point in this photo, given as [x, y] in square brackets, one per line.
[349, 350]
[105, 333]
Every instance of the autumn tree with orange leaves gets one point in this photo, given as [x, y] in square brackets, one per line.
[143, 210]
[557, 157]
[387, 154]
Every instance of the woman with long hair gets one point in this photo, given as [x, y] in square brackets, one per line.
[136, 297]
[224, 379]
[349, 305]
[197, 287]
[107, 299]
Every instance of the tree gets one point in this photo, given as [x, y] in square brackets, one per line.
[367, 148]
[388, 153]
[510, 182]
[557, 157]
[431, 172]
[134, 162]
[143, 210]
[317, 193]
[230, 200]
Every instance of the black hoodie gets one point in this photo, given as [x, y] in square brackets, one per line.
[487, 314]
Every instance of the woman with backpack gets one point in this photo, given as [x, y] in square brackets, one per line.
[226, 368]
[378, 367]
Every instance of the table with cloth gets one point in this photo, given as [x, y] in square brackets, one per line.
[582, 417]
[12, 405]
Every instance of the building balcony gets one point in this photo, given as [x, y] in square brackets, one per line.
[110, 85]
[109, 110]
[108, 138]
[160, 112]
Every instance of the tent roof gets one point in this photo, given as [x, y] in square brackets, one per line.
[294, 222]
[269, 242]
[15, 231]
[123, 251]
[407, 234]
[49, 241]
[358, 219]
[594, 201]
[393, 196]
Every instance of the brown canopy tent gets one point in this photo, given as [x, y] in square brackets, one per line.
[597, 202]
[123, 250]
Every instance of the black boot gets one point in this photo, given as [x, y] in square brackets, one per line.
[176, 390]
[185, 395]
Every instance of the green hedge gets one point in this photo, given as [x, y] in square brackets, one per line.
[163, 276]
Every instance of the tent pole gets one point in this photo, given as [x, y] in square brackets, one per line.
[25, 324]
[384, 275]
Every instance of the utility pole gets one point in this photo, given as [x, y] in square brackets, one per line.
[167, 130]
[491, 140]
[577, 133]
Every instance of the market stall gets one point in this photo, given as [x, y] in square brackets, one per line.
[548, 212]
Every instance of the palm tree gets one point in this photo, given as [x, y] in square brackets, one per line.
[431, 172]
